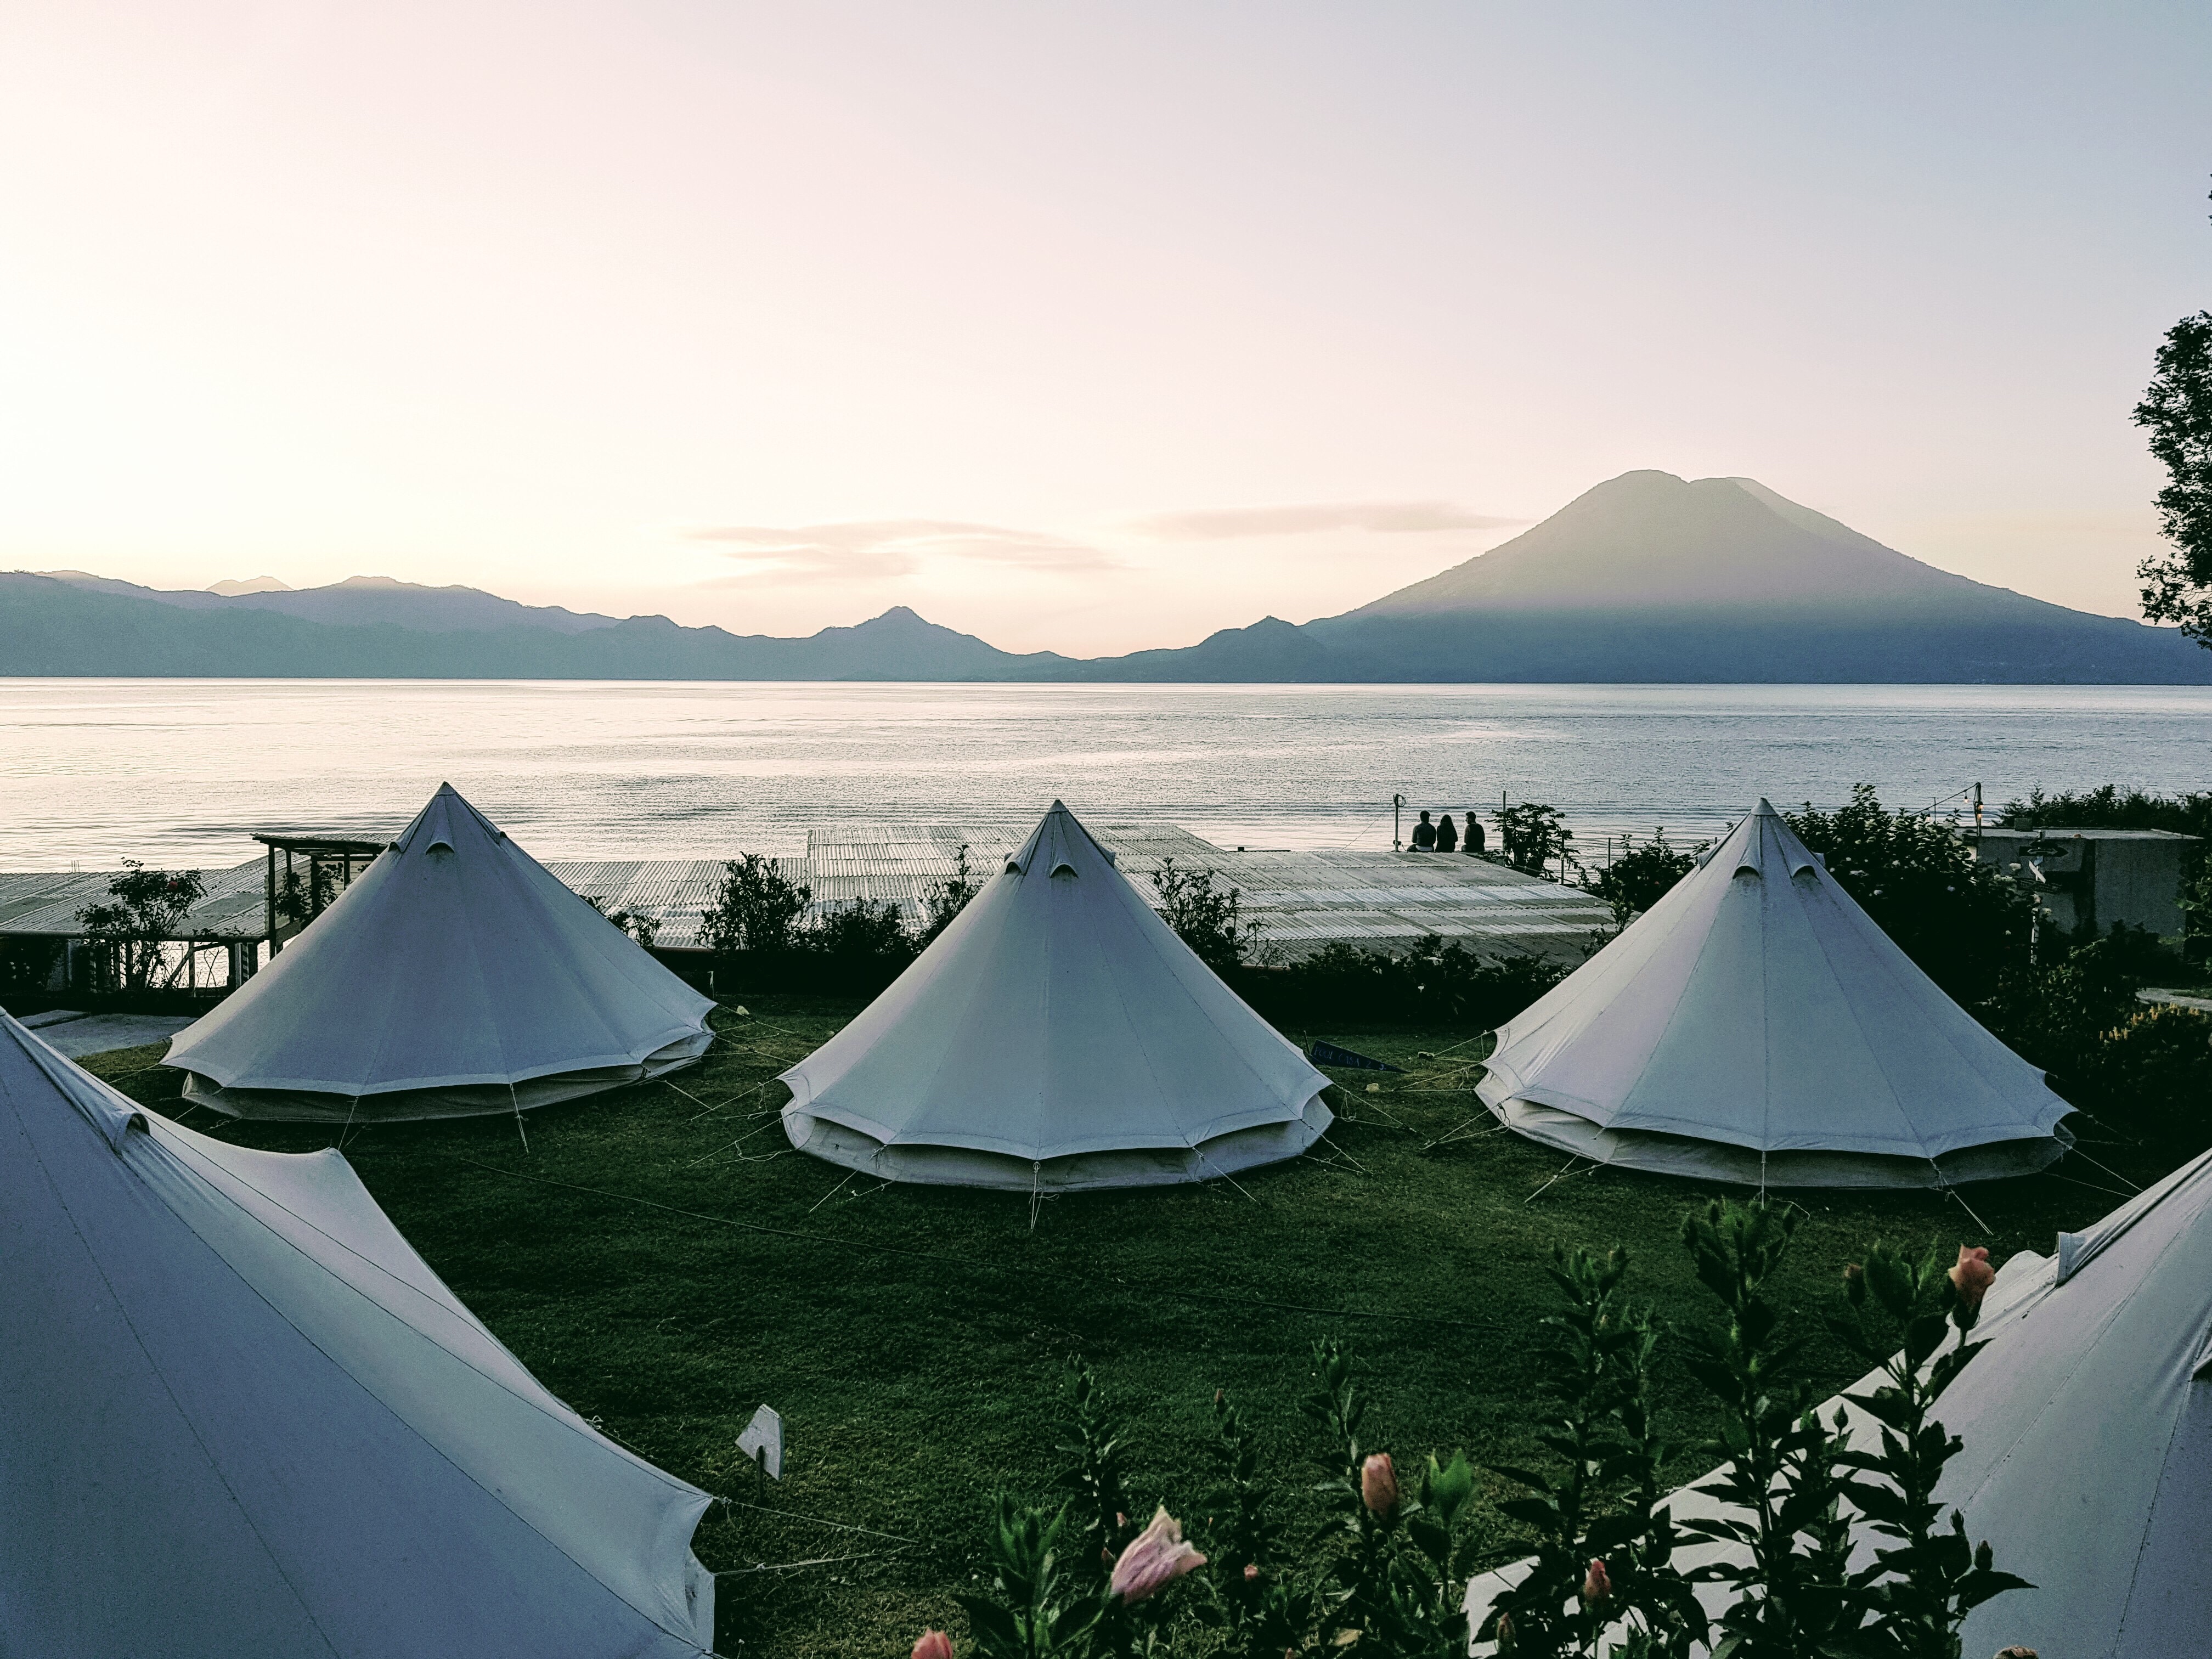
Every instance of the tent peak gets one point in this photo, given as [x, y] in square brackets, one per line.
[446, 812]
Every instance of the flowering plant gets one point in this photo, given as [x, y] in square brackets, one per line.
[1387, 1571]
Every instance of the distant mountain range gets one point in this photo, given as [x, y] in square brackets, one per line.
[1645, 578]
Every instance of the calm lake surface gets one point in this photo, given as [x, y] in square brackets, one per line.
[180, 772]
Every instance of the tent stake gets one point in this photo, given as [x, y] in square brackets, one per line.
[1969, 1209]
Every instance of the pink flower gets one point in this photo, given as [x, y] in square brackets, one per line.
[1158, 1557]
[1251, 1570]
[1378, 1484]
[1597, 1584]
[935, 1645]
[1973, 1275]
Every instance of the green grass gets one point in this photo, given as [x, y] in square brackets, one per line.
[665, 1264]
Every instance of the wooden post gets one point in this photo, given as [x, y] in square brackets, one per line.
[272, 899]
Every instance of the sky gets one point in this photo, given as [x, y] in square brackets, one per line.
[1078, 326]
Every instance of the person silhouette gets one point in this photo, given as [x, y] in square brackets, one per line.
[1474, 836]
[1447, 836]
[1424, 836]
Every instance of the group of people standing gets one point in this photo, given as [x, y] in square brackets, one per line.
[1443, 836]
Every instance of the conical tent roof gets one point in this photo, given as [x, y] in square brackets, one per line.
[1057, 1035]
[244, 1419]
[1756, 1025]
[2087, 1426]
[455, 975]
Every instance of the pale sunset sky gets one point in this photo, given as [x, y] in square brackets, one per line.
[1082, 326]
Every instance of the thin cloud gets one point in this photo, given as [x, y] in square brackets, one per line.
[872, 548]
[1389, 517]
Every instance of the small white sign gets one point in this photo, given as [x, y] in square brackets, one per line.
[763, 1440]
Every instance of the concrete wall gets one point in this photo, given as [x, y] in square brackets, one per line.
[2099, 878]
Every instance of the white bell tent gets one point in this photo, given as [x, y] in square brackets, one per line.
[2085, 1426]
[1057, 1036]
[244, 1419]
[2086, 1461]
[1756, 1025]
[2085, 1441]
[455, 976]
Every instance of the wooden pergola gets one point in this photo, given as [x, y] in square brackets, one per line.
[335, 854]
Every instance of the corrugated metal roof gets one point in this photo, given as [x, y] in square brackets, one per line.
[235, 906]
[1298, 899]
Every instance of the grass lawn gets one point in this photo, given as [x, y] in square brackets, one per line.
[665, 1264]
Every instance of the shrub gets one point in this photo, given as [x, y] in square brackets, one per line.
[146, 907]
[862, 944]
[643, 929]
[1964, 922]
[1204, 917]
[757, 932]
[300, 902]
[27, 965]
[1529, 835]
[1434, 983]
[757, 909]
[1385, 1569]
[2106, 808]
[946, 899]
[1641, 876]
[2154, 1074]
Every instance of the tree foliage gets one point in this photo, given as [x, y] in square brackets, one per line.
[2176, 411]
[758, 928]
[1530, 834]
[1963, 921]
[300, 901]
[642, 928]
[946, 899]
[757, 909]
[1206, 918]
[145, 907]
[1641, 876]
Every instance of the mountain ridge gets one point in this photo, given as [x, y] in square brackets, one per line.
[1645, 578]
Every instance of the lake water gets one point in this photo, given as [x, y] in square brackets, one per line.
[178, 772]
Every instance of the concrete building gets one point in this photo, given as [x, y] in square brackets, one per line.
[2097, 879]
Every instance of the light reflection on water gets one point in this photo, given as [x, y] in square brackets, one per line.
[178, 772]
